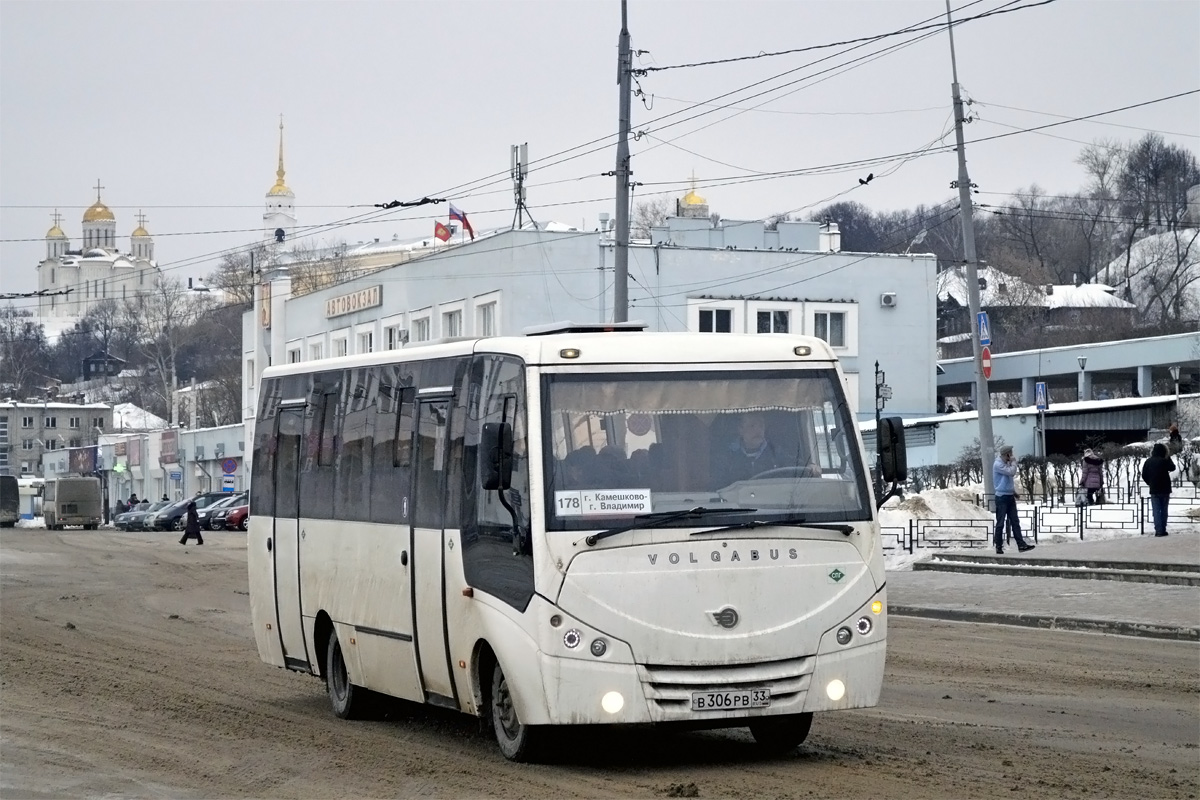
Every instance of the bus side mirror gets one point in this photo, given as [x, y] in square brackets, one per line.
[496, 455]
[893, 458]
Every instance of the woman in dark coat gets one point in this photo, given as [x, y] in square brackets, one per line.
[1093, 475]
[192, 528]
[1156, 472]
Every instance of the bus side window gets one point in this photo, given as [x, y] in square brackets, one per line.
[391, 470]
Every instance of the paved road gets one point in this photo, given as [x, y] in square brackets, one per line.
[1102, 605]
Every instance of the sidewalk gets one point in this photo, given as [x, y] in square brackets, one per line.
[1102, 606]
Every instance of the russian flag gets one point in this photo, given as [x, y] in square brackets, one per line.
[456, 213]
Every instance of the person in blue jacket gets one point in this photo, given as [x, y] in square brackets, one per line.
[1003, 471]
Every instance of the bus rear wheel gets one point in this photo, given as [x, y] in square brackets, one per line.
[518, 741]
[348, 700]
[780, 735]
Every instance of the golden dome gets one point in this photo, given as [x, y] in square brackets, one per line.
[55, 233]
[693, 199]
[140, 231]
[279, 188]
[98, 212]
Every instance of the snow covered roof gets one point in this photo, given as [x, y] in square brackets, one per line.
[1003, 290]
[127, 416]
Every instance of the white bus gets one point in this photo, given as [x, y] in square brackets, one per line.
[573, 528]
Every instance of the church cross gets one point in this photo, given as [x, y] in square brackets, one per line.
[141, 218]
[57, 217]
[98, 188]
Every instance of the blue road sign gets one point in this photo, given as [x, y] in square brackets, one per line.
[229, 466]
[176, 476]
[1040, 397]
[985, 331]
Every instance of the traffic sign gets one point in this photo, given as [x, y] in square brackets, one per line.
[175, 476]
[985, 330]
[227, 483]
[985, 359]
[1040, 397]
[229, 466]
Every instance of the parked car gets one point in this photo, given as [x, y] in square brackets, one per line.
[174, 516]
[121, 521]
[237, 517]
[208, 515]
[136, 520]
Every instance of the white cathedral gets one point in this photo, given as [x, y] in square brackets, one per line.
[99, 271]
[95, 272]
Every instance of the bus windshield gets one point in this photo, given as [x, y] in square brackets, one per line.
[625, 444]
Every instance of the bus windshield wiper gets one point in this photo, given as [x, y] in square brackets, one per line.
[790, 522]
[660, 518]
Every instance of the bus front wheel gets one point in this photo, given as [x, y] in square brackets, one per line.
[780, 735]
[518, 741]
[347, 699]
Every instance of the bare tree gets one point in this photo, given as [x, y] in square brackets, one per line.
[161, 319]
[649, 214]
[314, 268]
[235, 275]
[24, 352]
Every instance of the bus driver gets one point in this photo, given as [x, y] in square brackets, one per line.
[751, 453]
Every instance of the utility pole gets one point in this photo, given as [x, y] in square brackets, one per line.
[983, 400]
[621, 240]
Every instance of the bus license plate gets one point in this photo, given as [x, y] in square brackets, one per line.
[726, 701]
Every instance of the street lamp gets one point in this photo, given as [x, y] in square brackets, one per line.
[1082, 366]
[1175, 378]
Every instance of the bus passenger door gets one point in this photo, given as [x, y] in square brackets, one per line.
[286, 537]
[429, 549]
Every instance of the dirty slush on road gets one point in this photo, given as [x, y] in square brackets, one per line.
[129, 668]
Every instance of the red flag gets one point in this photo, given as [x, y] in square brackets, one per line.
[441, 231]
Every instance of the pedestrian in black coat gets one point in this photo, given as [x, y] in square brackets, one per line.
[192, 528]
[1156, 472]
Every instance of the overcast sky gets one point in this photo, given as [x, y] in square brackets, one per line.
[174, 107]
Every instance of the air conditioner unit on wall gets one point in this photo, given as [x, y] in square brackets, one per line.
[888, 299]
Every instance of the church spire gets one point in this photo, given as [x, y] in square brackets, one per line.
[280, 187]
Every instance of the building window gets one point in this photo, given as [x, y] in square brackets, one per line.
[74, 422]
[50, 422]
[51, 444]
[366, 342]
[52, 275]
[27, 444]
[830, 326]
[395, 337]
[294, 356]
[452, 323]
[250, 373]
[716, 320]
[340, 347]
[487, 319]
[98, 423]
[75, 442]
[314, 352]
[3, 430]
[26, 422]
[421, 329]
[776, 321]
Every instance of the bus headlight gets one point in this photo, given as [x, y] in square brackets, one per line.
[843, 635]
[572, 639]
[864, 625]
[612, 702]
[835, 689]
[599, 647]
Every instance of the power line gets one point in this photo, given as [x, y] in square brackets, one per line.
[865, 39]
[1063, 116]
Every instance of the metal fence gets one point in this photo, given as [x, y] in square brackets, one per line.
[1125, 509]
